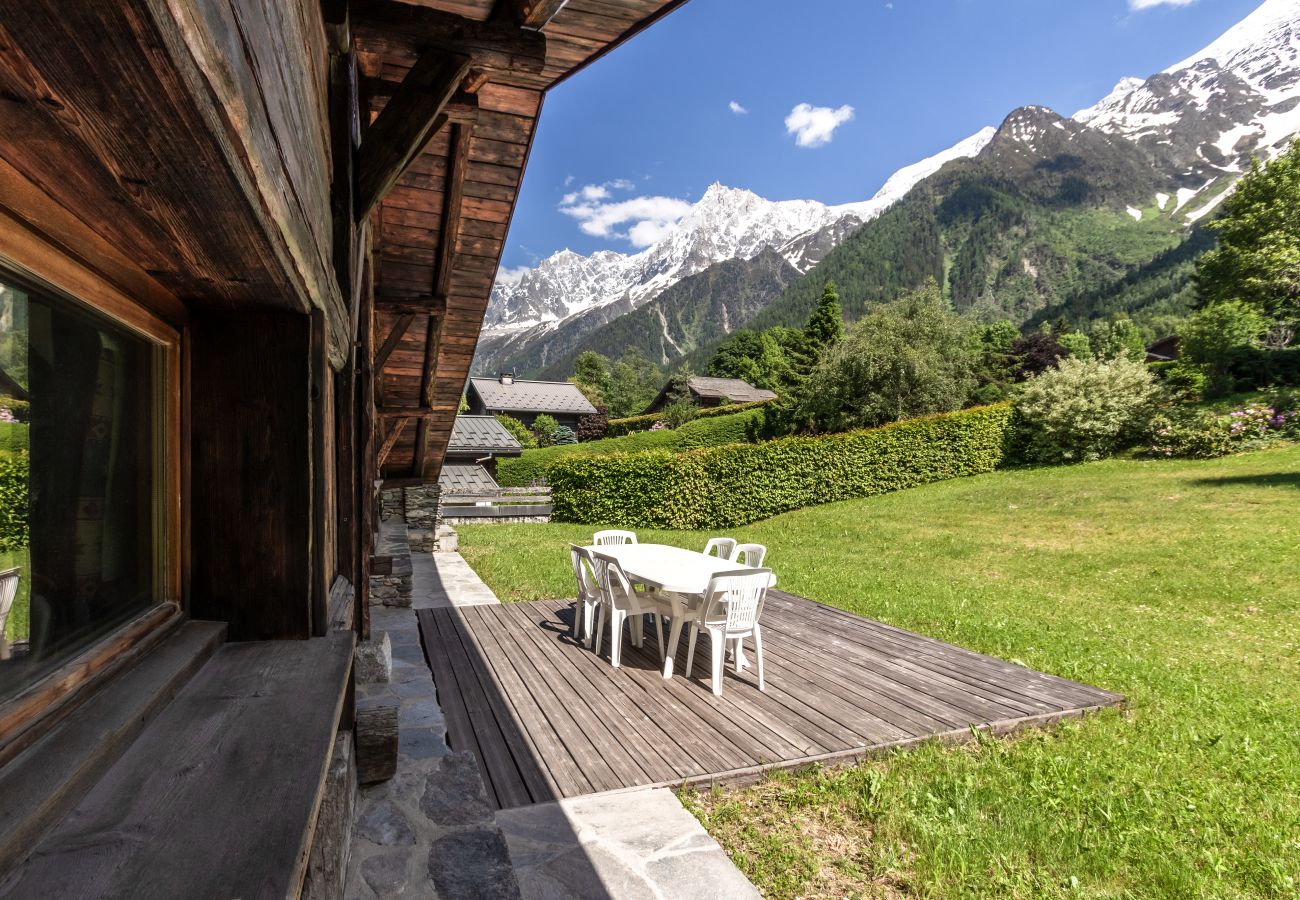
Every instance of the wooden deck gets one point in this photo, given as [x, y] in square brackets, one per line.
[547, 718]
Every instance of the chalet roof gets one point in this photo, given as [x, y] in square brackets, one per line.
[439, 233]
[481, 434]
[459, 478]
[733, 389]
[532, 396]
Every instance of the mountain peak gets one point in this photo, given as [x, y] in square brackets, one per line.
[1271, 29]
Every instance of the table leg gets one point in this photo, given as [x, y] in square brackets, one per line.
[674, 635]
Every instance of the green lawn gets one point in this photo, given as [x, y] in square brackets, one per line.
[1172, 582]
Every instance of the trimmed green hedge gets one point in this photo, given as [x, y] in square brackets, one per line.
[13, 438]
[703, 432]
[13, 501]
[734, 485]
[634, 424]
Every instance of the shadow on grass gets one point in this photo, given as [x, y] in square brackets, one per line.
[1272, 479]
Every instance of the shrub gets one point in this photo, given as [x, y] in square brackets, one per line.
[594, 426]
[564, 436]
[544, 429]
[1189, 434]
[736, 484]
[907, 358]
[18, 410]
[518, 430]
[13, 437]
[1215, 334]
[530, 467]
[633, 424]
[1184, 383]
[13, 502]
[677, 414]
[1086, 409]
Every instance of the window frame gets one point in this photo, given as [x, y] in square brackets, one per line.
[28, 256]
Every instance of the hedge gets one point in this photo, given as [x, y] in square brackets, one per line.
[13, 501]
[737, 484]
[633, 424]
[704, 432]
[13, 437]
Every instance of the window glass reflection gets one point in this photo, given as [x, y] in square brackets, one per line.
[79, 475]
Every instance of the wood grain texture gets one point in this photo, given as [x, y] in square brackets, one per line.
[252, 493]
[219, 794]
[547, 718]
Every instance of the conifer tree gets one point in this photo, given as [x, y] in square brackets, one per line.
[826, 324]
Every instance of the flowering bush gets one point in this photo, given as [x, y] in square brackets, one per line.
[1198, 434]
[1086, 409]
[7, 417]
[659, 426]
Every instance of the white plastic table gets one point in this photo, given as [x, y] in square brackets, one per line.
[683, 575]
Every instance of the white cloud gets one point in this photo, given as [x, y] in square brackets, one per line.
[568, 180]
[813, 126]
[508, 275]
[1148, 4]
[641, 221]
[737, 108]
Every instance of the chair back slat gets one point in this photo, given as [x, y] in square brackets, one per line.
[615, 585]
[724, 547]
[735, 599]
[613, 537]
[751, 555]
[584, 571]
[8, 592]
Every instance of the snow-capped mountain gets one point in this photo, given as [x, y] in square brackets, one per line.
[1175, 142]
[726, 223]
[1202, 119]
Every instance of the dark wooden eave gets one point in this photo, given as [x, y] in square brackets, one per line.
[440, 230]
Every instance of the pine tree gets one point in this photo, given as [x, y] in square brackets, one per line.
[826, 324]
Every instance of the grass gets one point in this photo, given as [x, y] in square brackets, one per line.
[1172, 582]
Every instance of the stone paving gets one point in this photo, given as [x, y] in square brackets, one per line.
[628, 845]
[429, 832]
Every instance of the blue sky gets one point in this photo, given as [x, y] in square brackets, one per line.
[649, 127]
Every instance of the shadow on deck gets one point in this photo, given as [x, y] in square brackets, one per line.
[546, 718]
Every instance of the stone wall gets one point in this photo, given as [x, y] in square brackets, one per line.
[390, 504]
[422, 516]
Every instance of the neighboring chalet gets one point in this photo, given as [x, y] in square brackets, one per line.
[470, 465]
[706, 392]
[1165, 350]
[249, 245]
[526, 400]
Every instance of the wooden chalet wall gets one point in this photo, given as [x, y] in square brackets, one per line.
[314, 194]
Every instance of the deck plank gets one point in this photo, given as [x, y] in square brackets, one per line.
[839, 687]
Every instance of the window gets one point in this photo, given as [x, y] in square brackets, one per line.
[81, 511]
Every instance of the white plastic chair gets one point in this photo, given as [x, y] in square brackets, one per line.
[8, 593]
[750, 556]
[606, 538]
[622, 603]
[723, 545]
[732, 606]
[586, 571]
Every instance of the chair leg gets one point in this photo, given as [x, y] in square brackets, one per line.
[758, 655]
[600, 630]
[690, 649]
[717, 644]
[617, 617]
[577, 618]
[588, 611]
[637, 630]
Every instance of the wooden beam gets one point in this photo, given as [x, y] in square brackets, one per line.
[405, 412]
[421, 305]
[394, 338]
[497, 45]
[407, 122]
[530, 14]
[390, 440]
[448, 232]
